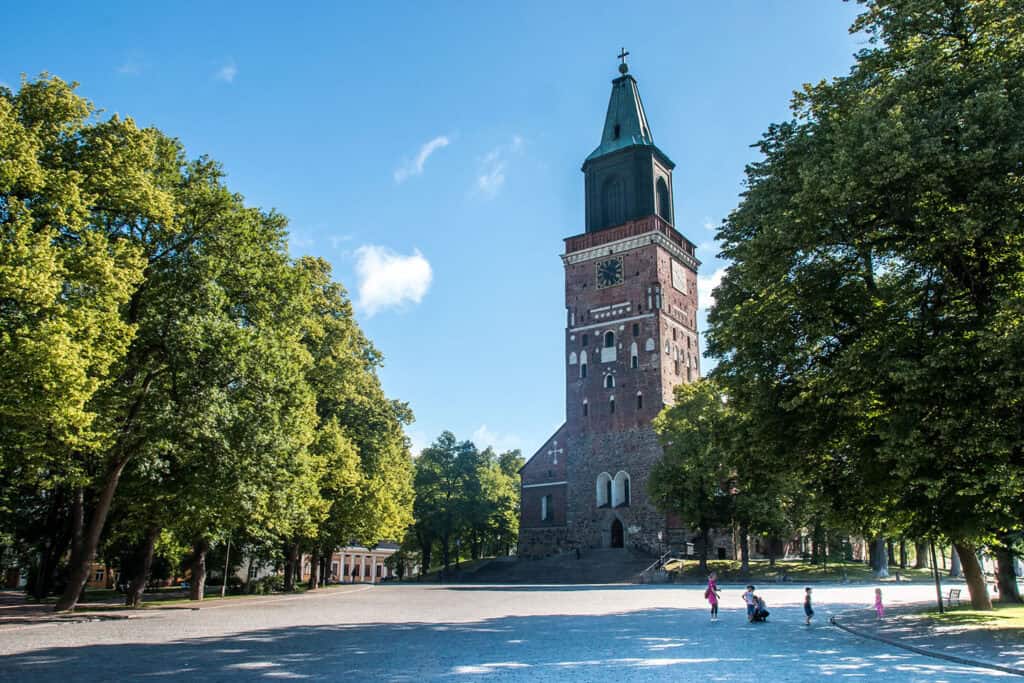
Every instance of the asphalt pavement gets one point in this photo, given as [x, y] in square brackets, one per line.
[411, 632]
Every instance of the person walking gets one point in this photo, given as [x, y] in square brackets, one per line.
[748, 598]
[879, 607]
[711, 593]
[808, 610]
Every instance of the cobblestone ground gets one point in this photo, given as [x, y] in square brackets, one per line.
[412, 633]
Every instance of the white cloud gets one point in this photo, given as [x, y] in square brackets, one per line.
[492, 176]
[705, 286]
[413, 167]
[709, 224]
[484, 437]
[388, 279]
[227, 72]
[492, 167]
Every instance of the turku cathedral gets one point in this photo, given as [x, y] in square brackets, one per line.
[630, 338]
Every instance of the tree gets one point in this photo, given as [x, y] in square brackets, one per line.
[874, 284]
[693, 478]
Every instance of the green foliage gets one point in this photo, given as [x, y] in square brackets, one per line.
[465, 496]
[870, 321]
[166, 360]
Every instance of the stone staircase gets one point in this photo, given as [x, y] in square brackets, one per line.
[606, 565]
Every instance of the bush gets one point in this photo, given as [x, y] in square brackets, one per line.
[266, 585]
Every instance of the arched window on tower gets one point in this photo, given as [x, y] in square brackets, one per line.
[609, 381]
[611, 405]
[613, 210]
[639, 401]
[620, 490]
[609, 339]
[634, 356]
[586, 408]
[583, 364]
[664, 205]
[572, 358]
[604, 490]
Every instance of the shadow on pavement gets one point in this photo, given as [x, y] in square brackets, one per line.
[655, 644]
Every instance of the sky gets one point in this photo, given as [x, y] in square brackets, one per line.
[431, 152]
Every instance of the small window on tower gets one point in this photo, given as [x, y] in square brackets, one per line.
[636, 329]
[586, 409]
[611, 405]
[616, 132]
[639, 401]
[585, 339]
[609, 339]
[609, 382]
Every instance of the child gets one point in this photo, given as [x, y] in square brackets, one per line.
[712, 595]
[879, 608]
[748, 598]
[808, 610]
[760, 609]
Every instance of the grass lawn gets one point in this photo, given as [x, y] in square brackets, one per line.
[785, 570]
[1003, 617]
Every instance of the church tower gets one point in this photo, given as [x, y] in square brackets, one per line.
[630, 338]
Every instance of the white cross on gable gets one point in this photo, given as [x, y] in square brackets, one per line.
[555, 450]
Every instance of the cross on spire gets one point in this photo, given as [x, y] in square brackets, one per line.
[623, 54]
[554, 452]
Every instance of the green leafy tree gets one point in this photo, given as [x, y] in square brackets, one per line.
[874, 290]
[692, 479]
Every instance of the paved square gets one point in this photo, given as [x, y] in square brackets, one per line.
[427, 632]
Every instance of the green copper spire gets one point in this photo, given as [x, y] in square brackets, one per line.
[625, 124]
[627, 177]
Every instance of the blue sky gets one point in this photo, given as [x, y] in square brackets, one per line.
[432, 152]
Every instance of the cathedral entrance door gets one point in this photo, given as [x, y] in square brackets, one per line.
[617, 535]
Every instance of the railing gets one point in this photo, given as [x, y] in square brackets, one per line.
[631, 229]
[657, 564]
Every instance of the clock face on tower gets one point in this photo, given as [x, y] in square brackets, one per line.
[609, 272]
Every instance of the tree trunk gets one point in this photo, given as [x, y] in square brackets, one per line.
[890, 552]
[197, 587]
[81, 564]
[445, 552]
[903, 553]
[291, 553]
[144, 559]
[1006, 577]
[771, 550]
[920, 555]
[314, 569]
[704, 550]
[879, 556]
[972, 575]
[744, 550]
[427, 549]
[954, 563]
[54, 545]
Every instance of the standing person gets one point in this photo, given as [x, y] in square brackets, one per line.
[711, 593]
[808, 610]
[879, 607]
[748, 598]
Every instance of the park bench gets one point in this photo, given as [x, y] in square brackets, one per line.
[954, 594]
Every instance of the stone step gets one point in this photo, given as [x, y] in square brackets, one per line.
[594, 566]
